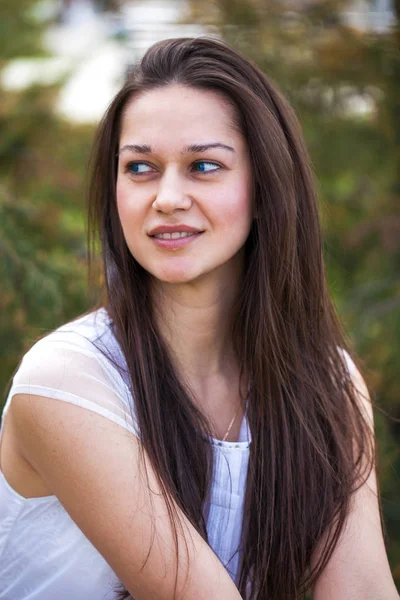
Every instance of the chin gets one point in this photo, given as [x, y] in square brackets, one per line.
[178, 274]
[177, 278]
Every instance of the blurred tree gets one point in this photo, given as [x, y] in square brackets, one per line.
[19, 31]
[327, 69]
[42, 166]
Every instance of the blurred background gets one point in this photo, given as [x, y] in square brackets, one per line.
[338, 63]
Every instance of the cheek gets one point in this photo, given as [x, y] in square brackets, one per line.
[129, 213]
[122, 196]
[234, 209]
[128, 208]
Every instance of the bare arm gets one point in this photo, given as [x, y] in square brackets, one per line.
[359, 568]
[92, 465]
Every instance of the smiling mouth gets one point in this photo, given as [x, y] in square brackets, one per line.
[175, 235]
[176, 240]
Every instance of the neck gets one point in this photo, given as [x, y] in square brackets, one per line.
[196, 319]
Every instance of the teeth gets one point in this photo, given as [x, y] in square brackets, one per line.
[175, 235]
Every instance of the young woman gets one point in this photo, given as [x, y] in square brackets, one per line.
[214, 437]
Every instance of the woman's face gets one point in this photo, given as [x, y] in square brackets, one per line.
[184, 168]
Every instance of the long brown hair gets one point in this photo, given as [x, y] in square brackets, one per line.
[311, 447]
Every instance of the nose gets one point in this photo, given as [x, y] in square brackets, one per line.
[171, 194]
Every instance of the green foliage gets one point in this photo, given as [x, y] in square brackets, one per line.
[43, 161]
[19, 30]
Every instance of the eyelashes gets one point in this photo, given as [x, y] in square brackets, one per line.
[132, 165]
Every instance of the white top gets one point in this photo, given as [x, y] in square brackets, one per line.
[43, 553]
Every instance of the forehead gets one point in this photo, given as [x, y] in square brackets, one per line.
[179, 114]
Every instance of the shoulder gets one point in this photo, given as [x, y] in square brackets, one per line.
[65, 347]
[80, 333]
[77, 364]
[62, 352]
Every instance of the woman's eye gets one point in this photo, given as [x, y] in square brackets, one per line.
[136, 168]
[204, 166]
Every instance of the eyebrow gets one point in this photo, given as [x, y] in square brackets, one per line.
[192, 148]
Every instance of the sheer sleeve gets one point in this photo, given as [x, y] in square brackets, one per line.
[68, 371]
